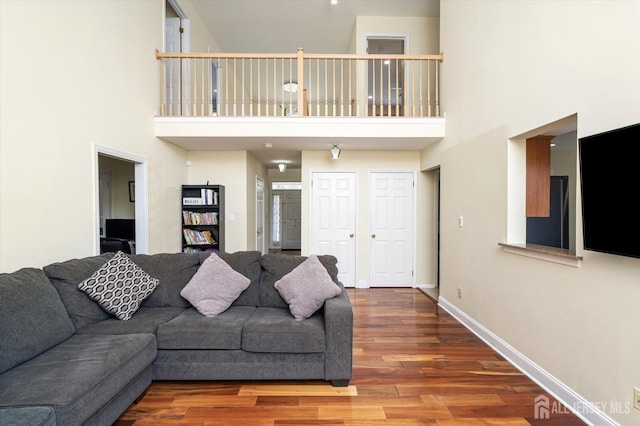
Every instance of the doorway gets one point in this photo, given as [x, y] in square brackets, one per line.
[333, 220]
[286, 221]
[385, 81]
[291, 220]
[176, 40]
[124, 176]
[391, 229]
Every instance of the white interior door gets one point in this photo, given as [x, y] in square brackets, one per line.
[173, 70]
[333, 220]
[291, 220]
[260, 215]
[391, 229]
[177, 40]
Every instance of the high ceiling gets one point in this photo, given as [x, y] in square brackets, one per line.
[282, 26]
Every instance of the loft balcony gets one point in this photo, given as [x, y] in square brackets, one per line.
[208, 100]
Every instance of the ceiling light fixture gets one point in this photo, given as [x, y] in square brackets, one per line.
[334, 1]
[335, 152]
[290, 86]
[282, 167]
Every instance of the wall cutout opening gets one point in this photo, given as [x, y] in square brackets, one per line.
[543, 182]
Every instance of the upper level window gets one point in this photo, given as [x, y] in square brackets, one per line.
[286, 186]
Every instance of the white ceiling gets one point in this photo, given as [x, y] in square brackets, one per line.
[282, 26]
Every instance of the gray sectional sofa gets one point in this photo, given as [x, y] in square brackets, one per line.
[66, 361]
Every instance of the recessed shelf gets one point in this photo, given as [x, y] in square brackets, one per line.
[549, 254]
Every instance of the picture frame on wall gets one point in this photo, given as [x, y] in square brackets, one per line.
[132, 191]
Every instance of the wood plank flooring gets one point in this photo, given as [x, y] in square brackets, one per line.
[413, 364]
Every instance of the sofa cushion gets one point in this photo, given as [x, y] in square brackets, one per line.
[65, 277]
[191, 330]
[277, 266]
[275, 330]
[32, 317]
[248, 264]
[119, 286]
[306, 288]
[145, 320]
[173, 270]
[214, 287]
[28, 416]
[78, 377]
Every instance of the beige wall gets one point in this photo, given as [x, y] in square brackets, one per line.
[237, 171]
[201, 40]
[363, 162]
[76, 74]
[228, 168]
[511, 67]
[422, 33]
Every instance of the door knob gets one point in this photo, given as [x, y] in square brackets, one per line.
[351, 235]
[373, 235]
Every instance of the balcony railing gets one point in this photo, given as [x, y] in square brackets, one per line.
[316, 85]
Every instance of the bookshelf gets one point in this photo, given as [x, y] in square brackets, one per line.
[202, 218]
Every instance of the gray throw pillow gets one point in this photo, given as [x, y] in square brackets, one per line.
[119, 286]
[306, 288]
[214, 287]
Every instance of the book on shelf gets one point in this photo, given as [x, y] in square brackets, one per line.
[209, 197]
[198, 250]
[193, 237]
[192, 201]
[199, 218]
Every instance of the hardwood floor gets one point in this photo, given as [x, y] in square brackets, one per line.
[413, 364]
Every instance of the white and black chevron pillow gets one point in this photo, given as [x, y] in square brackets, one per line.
[119, 286]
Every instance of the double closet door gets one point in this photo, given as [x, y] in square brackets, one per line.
[387, 253]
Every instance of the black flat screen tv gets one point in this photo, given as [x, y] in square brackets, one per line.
[610, 185]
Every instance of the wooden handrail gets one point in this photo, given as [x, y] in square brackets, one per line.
[161, 55]
[337, 85]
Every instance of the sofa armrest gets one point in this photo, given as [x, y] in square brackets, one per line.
[338, 322]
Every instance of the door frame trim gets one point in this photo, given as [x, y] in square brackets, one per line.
[382, 36]
[264, 216]
[356, 173]
[414, 222]
[142, 195]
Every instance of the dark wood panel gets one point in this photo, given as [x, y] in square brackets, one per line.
[538, 176]
[413, 365]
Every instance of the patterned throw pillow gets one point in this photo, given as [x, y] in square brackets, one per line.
[119, 286]
[306, 288]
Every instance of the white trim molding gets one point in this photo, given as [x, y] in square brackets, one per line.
[575, 403]
[141, 195]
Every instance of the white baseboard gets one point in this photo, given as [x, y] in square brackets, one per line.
[582, 408]
[425, 286]
[362, 284]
